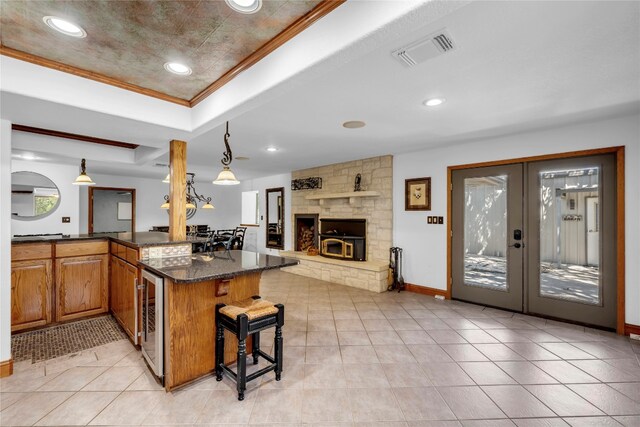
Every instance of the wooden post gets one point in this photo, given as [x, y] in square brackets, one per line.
[178, 190]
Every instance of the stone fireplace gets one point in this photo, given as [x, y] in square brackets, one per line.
[338, 200]
[305, 231]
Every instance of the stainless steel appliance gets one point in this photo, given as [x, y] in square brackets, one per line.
[152, 339]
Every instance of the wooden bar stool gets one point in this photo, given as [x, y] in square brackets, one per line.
[244, 318]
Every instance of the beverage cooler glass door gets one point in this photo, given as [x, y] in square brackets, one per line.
[153, 322]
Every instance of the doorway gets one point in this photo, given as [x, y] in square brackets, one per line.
[525, 236]
[112, 210]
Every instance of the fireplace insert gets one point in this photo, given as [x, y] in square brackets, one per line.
[343, 239]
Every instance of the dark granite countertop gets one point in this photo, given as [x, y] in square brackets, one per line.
[136, 239]
[217, 265]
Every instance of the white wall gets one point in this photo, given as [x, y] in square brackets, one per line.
[255, 238]
[5, 240]
[150, 195]
[63, 177]
[425, 246]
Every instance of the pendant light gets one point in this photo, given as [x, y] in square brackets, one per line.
[226, 177]
[83, 178]
[192, 198]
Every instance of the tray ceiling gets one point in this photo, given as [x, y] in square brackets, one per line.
[129, 41]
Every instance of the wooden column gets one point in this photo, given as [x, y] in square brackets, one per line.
[178, 190]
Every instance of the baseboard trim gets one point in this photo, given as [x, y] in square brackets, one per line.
[631, 329]
[6, 368]
[425, 290]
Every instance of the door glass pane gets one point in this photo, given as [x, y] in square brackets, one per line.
[485, 232]
[569, 235]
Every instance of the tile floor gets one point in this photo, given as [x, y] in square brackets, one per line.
[357, 358]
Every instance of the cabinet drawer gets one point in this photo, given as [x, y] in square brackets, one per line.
[81, 249]
[132, 256]
[27, 251]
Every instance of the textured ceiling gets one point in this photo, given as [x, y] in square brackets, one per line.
[131, 40]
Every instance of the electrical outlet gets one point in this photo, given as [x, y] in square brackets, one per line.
[66, 219]
[429, 220]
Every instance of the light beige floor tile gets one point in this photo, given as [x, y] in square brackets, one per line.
[541, 422]
[406, 375]
[32, 407]
[429, 353]
[629, 421]
[631, 390]
[565, 372]
[394, 354]
[292, 377]
[487, 423]
[375, 405]
[146, 381]
[179, 407]
[423, 403]
[323, 355]
[476, 336]
[486, 373]
[8, 399]
[349, 325]
[498, 352]
[223, 407]
[73, 379]
[384, 338]
[129, 408]
[365, 376]
[604, 371]
[115, 379]
[358, 354]
[322, 338]
[326, 405]
[353, 338]
[532, 351]
[566, 351]
[464, 353]
[607, 399]
[563, 401]
[446, 374]
[377, 325]
[277, 406]
[415, 337]
[324, 376]
[132, 359]
[79, 409]
[26, 381]
[470, 403]
[517, 402]
[526, 372]
[446, 336]
[291, 338]
[321, 324]
[591, 422]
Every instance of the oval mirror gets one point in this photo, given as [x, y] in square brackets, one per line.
[33, 196]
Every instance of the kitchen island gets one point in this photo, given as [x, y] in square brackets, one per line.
[193, 285]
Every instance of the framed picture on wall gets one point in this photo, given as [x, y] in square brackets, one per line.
[417, 194]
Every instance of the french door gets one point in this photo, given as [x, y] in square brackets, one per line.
[538, 237]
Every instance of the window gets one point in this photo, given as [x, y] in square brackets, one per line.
[250, 210]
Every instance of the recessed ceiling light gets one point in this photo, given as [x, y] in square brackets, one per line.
[272, 149]
[354, 124]
[433, 102]
[245, 6]
[65, 27]
[177, 68]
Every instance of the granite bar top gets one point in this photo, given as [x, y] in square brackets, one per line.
[215, 265]
[136, 239]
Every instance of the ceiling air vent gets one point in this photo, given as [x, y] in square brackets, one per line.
[433, 45]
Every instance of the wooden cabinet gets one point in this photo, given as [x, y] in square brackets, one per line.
[81, 286]
[30, 293]
[123, 288]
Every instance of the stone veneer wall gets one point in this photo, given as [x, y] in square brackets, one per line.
[377, 175]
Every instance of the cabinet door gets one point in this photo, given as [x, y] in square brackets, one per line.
[115, 279]
[82, 286]
[30, 293]
[128, 299]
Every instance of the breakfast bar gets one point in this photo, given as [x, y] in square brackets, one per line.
[192, 286]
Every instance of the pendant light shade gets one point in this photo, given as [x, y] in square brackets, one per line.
[83, 178]
[167, 179]
[165, 205]
[208, 206]
[226, 177]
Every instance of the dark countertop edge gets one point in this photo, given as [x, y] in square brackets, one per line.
[291, 262]
[75, 238]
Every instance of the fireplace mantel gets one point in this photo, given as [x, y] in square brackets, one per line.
[353, 196]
